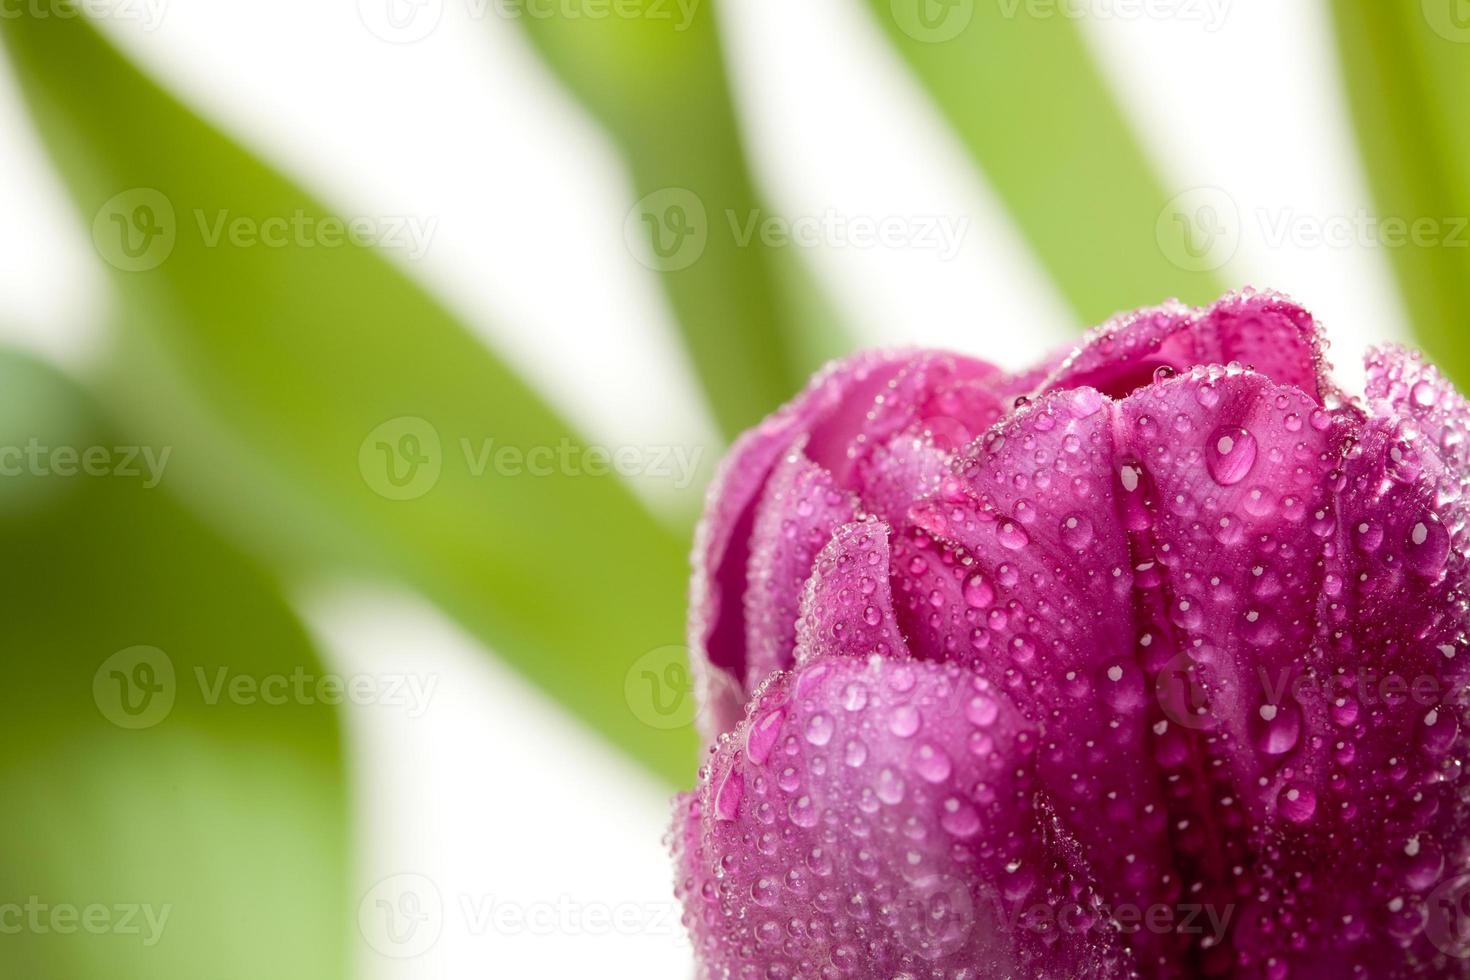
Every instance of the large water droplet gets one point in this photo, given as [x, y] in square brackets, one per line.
[1077, 531]
[1230, 454]
[1297, 802]
[978, 591]
[763, 734]
[727, 800]
[1429, 547]
[1012, 535]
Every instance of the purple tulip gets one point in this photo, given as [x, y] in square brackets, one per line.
[1148, 662]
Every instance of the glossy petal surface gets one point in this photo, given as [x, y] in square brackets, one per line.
[1174, 643]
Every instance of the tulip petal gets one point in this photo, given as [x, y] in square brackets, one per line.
[847, 605]
[1265, 331]
[852, 408]
[1024, 574]
[801, 508]
[1187, 642]
[1401, 382]
[1229, 517]
[1392, 668]
[722, 543]
[874, 819]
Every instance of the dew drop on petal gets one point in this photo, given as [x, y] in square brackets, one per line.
[978, 591]
[1297, 802]
[1230, 454]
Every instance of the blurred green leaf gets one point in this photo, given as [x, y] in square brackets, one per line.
[1024, 95]
[1407, 70]
[147, 833]
[328, 411]
[753, 320]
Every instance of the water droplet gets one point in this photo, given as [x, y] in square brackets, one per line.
[1429, 547]
[763, 734]
[803, 812]
[727, 800]
[959, 818]
[978, 592]
[1280, 729]
[890, 787]
[931, 762]
[1077, 531]
[905, 721]
[1297, 802]
[1230, 454]
[1012, 535]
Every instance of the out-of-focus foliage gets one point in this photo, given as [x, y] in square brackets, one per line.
[329, 412]
[751, 318]
[1409, 72]
[155, 825]
[1023, 94]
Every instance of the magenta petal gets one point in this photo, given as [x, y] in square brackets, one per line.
[722, 545]
[847, 606]
[951, 398]
[801, 508]
[1026, 576]
[1264, 331]
[852, 408]
[1394, 621]
[885, 826]
[1401, 383]
[1183, 633]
